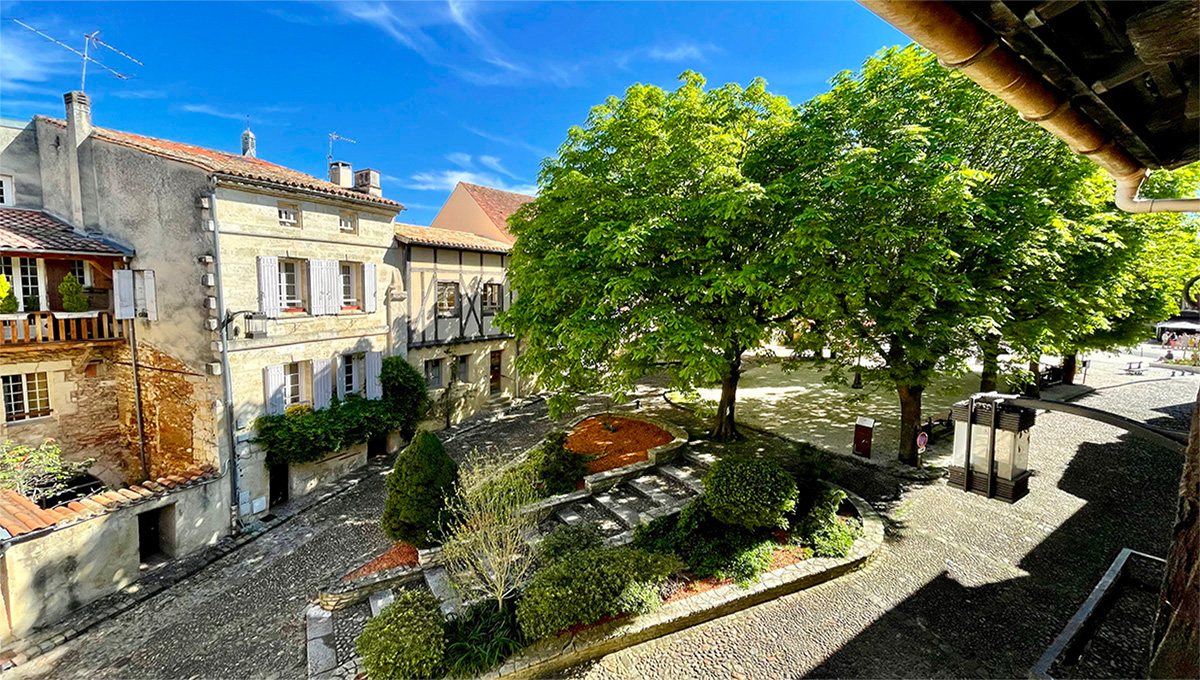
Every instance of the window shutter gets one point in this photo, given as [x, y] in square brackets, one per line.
[338, 383]
[149, 295]
[123, 291]
[333, 278]
[273, 387]
[269, 301]
[369, 287]
[316, 287]
[374, 366]
[322, 382]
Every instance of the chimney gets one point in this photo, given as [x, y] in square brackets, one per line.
[367, 181]
[249, 144]
[79, 127]
[341, 174]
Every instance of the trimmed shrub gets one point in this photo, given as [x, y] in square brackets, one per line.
[823, 530]
[587, 586]
[405, 394]
[749, 493]
[8, 299]
[568, 539]
[421, 479]
[559, 468]
[709, 547]
[406, 640]
[73, 299]
[481, 638]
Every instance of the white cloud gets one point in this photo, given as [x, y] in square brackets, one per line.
[403, 28]
[139, 94]
[680, 52]
[494, 163]
[462, 160]
[507, 141]
[207, 110]
[446, 180]
[29, 63]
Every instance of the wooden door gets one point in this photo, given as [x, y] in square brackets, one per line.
[495, 381]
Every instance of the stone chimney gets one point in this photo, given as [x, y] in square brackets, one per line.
[367, 181]
[79, 127]
[249, 144]
[341, 174]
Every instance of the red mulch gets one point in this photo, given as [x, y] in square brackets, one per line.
[627, 445]
[784, 556]
[697, 586]
[399, 555]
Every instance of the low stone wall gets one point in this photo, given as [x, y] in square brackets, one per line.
[666, 453]
[1182, 368]
[342, 594]
[553, 655]
[305, 477]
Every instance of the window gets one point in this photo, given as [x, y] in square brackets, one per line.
[493, 297]
[348, 223]
[351, 374]
[31, 285]
[82, 272]
[351, 275]
[289, 215]
[293, 384]
[433, 373]
[447, 299]
[291, 285]
[26, 396]
[463, 367]
[6, 190]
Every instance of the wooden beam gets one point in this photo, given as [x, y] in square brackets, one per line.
[1166, 32]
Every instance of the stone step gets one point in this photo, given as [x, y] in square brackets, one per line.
[699, 459]
[628, 516]
[683, 476]
[648, 487]
[439, 584]
[569, 515]
[380, 599]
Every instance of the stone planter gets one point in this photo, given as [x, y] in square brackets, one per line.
[304, 477]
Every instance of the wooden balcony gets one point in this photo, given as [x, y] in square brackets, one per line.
[45, 329]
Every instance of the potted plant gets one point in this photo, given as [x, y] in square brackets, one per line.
[74, 303]
[9, 309]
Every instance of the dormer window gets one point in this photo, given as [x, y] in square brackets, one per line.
[348, 223]
[6, 190]
[289, 215]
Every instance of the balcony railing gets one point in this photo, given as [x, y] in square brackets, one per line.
[44, 328]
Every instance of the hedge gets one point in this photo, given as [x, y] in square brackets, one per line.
[749, 493]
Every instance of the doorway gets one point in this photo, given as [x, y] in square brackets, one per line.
[494, 384]
[278, 484]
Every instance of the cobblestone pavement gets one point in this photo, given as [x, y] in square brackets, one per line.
[243, 615]
[964, 586]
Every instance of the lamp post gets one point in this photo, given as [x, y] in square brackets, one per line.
[991, 447]
[256, 323]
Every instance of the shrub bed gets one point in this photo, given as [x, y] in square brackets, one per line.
[749, 493]
[481, 638]
[406, 640]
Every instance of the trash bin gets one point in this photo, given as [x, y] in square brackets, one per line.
[864, 430]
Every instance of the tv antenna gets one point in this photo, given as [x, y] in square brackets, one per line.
[333, 136]
[89, 40]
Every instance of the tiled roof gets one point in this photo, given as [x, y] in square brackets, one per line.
[227, 163]
[496, 203]
[34, 230]
[448, 238]
[19, 515]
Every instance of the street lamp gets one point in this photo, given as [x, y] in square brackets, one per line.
[255, 323]
[991, 447]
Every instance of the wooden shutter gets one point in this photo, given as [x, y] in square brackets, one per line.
[316, 287]
[273, 388]
[269, 301]
[144, 279]
[338, 383]
[374, 366]
[123, 292]
[370, 286]
[322, 382]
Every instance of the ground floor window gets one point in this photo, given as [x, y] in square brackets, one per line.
[350, 373]
[433, 373]
[463, 367]
[26, 395]
[293, 384]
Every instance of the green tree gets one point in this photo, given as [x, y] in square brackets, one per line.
[646, 246]
[37, 473]
[404, 393]
[417, 490]
[8, 299]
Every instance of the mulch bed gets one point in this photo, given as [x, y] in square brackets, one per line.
[626, 445]
[399, 555]
[784, 556]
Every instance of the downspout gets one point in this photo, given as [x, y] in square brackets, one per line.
[137, 392]
[226, 379]
[960, 44]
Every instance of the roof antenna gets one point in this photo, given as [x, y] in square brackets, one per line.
[89, 39]
[333, 136]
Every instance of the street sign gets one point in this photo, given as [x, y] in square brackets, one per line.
[922, 441]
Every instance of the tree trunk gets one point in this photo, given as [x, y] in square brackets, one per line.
[1070, 364]
[1034, 388]
[910, 422]
[725, 426]
[990, 348]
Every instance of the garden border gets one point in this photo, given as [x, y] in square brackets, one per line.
[552, 655]
[658, 455]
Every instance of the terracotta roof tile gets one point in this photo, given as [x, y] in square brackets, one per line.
[497, 204]
[141, 490]
[36, 231]
[163, 481]
[130, 494]
[448, 238]
[222, 162]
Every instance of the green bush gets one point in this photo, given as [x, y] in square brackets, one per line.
[406, 640]
[305, 436]
[405, 394]
[481, 638]
[421, 479]
[749, 493]
[822, 530]
[708, 547]
[559, 468]
[568, 539]
[73, 299]
[584, 587]
[8, 299]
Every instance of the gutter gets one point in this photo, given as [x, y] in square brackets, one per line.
[961, 45]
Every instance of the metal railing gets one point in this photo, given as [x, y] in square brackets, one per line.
[43, 328]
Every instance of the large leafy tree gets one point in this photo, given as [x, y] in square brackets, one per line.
[647, 245]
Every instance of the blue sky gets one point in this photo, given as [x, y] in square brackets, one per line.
[431, 92]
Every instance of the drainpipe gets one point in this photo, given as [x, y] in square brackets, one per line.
[137, 392]
[961, 45]
[226, 380]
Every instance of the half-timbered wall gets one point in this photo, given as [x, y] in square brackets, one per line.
[428, 266]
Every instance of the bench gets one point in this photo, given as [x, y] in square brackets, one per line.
[1134, 368]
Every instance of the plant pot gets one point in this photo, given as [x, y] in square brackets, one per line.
[15, 316]
[91, 314]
